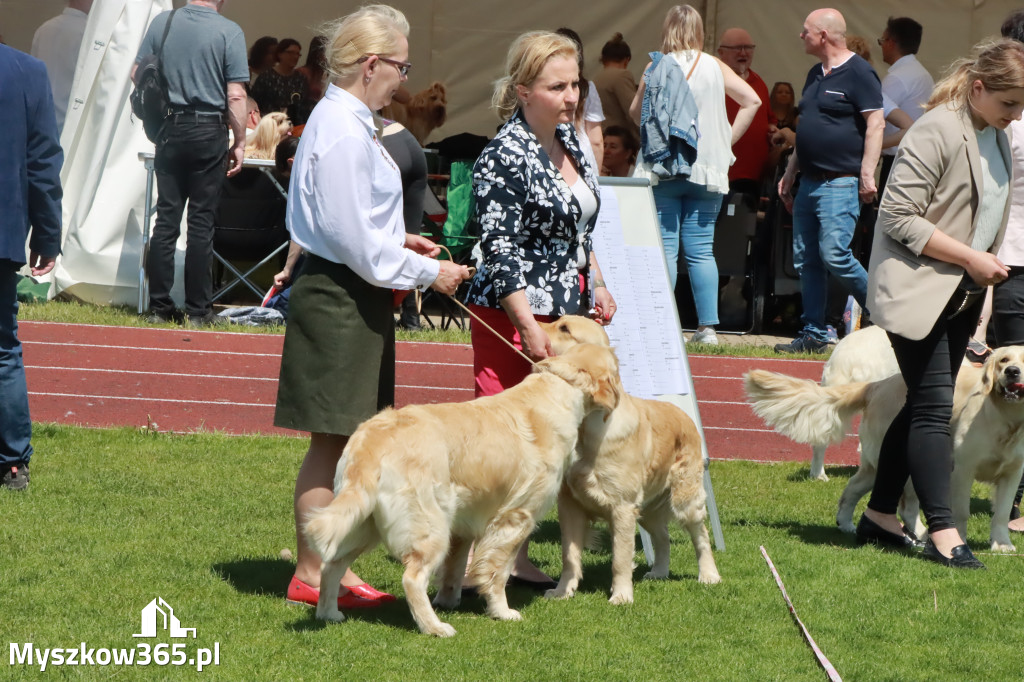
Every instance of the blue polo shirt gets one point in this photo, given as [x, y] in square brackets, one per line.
[830, 137]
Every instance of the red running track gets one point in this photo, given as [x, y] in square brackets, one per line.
[183, 380]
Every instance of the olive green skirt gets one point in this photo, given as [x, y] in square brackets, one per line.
[338, 364]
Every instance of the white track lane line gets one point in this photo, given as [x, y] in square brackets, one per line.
[183, 376]
[159, 374]
[148, 400]
[149, 348]
[214, 352]
[205, 402]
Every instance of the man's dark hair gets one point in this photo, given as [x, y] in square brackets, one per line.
[1013, 27]
[906, 33]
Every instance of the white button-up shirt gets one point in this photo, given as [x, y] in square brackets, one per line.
[909, 85]
[345, 197]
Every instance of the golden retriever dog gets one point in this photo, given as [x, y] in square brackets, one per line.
[429, 480]
[643, 463]
[987, 430]
[425, 110]
[865, 355]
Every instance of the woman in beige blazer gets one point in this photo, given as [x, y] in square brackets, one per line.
[939, 225]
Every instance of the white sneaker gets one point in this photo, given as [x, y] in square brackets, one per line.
[706, 335]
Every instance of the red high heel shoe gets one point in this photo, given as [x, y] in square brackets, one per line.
[366, 591]
[301, 593]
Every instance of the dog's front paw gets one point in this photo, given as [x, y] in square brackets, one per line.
[847, 527]
[820, 477]
[1007, 546]
[709, 578]
[441, 630]
[620, 598]
[656, 574]
[560, 593]
[507, 614]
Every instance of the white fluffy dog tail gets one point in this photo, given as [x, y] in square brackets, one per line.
[327, 527]
[801, 409]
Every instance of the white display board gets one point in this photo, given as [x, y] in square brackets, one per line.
[646, 332]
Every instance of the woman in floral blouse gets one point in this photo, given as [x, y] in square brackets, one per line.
[536, 202]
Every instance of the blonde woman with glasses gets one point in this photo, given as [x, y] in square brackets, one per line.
[345, 211]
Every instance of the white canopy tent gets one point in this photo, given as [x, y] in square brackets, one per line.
[460, 43]
[104, 184]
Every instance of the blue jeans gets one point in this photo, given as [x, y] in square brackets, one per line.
[825, 216]
[687, 213]
[15, 424]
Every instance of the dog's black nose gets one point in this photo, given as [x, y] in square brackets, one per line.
[1012, 372]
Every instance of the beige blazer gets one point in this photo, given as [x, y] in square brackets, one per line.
[935, 184]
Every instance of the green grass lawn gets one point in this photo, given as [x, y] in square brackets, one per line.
[115, 518]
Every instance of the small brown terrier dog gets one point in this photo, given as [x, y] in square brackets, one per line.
[425, 110]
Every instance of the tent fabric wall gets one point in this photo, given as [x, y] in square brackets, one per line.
[463, 44]
[104, 181]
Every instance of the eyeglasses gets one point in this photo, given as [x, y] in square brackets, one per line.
[882, 40]
[403, 67]
[739, 48]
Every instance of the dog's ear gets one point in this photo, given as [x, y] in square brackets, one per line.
[438, 88]
[587, 367]
[608, 392]
[988, 373]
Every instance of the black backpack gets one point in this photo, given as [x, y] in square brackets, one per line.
[149, 99]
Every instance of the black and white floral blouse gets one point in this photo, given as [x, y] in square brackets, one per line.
[528, 217]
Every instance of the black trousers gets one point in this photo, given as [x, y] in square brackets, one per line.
[191, 163]
[918, 443]
[1008, 321]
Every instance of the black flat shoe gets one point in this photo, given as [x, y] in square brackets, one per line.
[869, 532]
[537, 585]
[961, 556]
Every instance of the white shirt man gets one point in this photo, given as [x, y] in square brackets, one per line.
[908, 83]
[56, 43]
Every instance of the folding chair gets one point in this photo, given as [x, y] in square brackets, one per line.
[739, 251]
[249, 227]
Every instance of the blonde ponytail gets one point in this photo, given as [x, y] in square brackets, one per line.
[505, 99]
